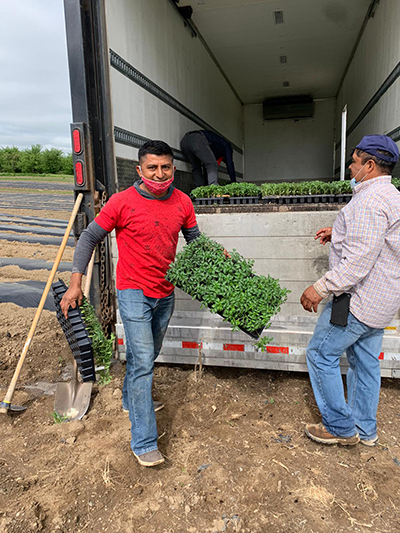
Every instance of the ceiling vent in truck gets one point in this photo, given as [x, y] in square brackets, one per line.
[288, 107]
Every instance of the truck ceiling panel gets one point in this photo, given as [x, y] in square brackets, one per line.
[316, 36]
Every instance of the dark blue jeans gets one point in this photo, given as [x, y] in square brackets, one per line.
[362, 345]
[145, 322]
[197, 149]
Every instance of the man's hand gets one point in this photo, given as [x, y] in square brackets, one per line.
[310, 299]
[324, 235]
[73, 296]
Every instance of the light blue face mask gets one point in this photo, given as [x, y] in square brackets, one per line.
[353, 181]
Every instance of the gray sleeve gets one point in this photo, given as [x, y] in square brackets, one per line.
[91, 236]
[191, 234]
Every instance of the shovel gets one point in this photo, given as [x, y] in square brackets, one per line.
[5, 405]
[72, 399]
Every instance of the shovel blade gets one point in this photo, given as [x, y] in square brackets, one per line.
[72, 400]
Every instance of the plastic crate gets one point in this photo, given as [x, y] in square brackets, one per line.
[76, 334]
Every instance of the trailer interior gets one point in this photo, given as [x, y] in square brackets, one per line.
[292, 84]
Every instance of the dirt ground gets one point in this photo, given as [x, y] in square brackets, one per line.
[236, 455]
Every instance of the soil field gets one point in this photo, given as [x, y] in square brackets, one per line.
[237, 459]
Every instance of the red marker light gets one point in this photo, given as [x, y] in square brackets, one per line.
[76, 141]
[79, 173]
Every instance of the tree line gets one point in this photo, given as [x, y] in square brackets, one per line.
[35, 160]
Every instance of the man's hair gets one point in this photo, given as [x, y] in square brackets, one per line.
[155, 148]
[384, 166]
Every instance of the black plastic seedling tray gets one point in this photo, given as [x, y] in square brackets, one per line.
[228, 200]
[244, 200]
[254, 334]
[308, 199]
[209, 201]
[76, 334]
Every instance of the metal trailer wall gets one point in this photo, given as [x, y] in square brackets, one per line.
[371, 85]
[164, 83]
[282, 244]
[289, 150]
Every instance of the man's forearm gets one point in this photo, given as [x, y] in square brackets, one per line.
[76, 280]
[91, 236]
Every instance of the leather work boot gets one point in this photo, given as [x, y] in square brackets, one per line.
[156, 404]
[153, 458]
[319, 433]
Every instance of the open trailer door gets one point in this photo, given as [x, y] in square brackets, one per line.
[91, 135]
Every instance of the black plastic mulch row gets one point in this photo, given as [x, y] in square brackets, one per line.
[75, 332]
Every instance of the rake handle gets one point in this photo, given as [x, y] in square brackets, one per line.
[6, 403]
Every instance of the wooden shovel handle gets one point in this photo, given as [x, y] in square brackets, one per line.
[5, 404]
[89, 275]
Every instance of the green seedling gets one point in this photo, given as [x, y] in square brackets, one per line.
[232, 189]
[305, 188]
[102, 347]
[262, 343]
[58, 419]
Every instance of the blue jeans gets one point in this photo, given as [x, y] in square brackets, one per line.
[363, 346]
[145, 322]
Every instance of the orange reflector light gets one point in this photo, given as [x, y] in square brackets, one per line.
[79, 173]
[76, 141]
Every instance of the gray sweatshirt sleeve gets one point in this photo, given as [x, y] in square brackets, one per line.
[191, 234]
[91, 236]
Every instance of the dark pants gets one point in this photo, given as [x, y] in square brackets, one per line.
[197, 149]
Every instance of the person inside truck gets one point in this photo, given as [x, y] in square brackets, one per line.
[207, 148]
[147, 218]
[363, 278]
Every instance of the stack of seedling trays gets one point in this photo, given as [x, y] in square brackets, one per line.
[76, 334]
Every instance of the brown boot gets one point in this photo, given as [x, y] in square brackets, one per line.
[319, 433]
[153, 458]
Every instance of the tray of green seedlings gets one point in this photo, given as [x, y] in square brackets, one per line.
[232, 193]
[306, 192]
[227, 285]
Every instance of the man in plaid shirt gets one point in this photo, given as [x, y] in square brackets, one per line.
[364, 267]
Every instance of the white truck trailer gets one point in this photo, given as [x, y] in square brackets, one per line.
[292, 84]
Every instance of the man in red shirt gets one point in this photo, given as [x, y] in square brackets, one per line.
[147, 219]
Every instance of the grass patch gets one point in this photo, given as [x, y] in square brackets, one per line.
[62, 177]
[35, 191]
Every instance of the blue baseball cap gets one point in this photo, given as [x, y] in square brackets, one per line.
[374, 144]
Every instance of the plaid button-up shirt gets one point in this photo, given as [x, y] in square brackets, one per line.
[364, 258]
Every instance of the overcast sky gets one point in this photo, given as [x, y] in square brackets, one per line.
[35, 105]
